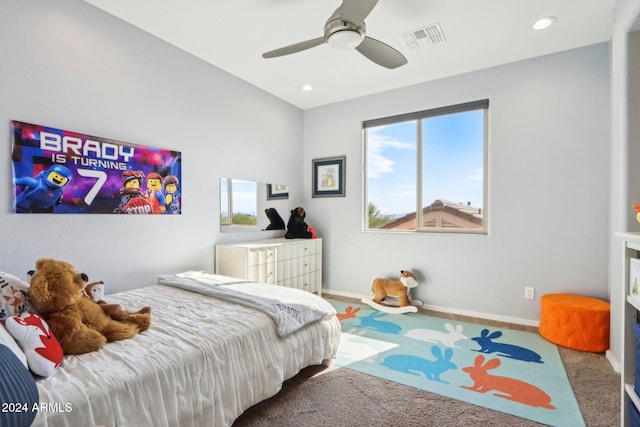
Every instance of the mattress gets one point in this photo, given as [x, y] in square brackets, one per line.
[202, 363]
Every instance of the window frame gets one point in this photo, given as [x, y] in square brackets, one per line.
[417, 117]
[225, 188]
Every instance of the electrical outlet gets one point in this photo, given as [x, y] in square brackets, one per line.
[529, 292]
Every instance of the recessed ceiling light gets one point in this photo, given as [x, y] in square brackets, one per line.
[543, 23]
[307, 87]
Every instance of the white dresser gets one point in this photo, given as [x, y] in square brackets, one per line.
[294, 263]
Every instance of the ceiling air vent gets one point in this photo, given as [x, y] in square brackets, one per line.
[424, 37]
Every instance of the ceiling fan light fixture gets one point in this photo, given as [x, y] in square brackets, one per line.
[345, 29]
[345, 39]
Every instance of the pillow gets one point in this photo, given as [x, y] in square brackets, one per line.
[18, 391]
[7, 339]
[14, 295]
[44, 353]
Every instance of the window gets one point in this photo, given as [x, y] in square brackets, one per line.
[426, 171]
[239, 198]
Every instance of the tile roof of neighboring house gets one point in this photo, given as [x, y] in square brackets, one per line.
[440, 214]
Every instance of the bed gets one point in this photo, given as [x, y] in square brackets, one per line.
[202, 363]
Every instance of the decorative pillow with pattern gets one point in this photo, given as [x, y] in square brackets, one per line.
[44, 353]
[14, 296]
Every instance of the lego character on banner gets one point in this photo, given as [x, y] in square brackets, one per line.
[154, 194]
[132, 199]
[171, 198]
[42, 192]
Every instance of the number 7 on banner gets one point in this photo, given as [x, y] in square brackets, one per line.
[101, 179]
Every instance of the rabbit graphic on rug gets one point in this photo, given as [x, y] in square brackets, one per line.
[448, 338]
[349, 313]
[510, 388]
[507, 350]
[432, 369]
[371, 322]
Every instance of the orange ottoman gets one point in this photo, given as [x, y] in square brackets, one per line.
[576, 322]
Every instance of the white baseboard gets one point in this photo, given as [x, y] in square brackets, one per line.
[487, 316]
[615, 363]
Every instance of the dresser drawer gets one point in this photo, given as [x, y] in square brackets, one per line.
[294, 263]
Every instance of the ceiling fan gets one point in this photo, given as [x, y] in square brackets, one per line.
[345, 29]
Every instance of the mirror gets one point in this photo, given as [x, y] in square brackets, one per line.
[249, 206]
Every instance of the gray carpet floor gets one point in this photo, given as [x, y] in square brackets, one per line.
[335, 396]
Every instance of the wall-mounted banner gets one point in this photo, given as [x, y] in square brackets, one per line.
[59, 171]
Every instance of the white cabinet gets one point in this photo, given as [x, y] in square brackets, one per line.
[631, 306]
[294, 263]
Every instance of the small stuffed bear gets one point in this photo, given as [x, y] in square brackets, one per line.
[79, 324]
[296, 227]
[95, 291]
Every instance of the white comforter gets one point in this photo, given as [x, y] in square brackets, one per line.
[202, 363]
[289, 308]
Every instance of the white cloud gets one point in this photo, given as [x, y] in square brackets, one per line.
[377, 163]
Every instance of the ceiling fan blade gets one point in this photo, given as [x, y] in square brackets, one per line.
[297, 47]
[381, 53]
[355, 11]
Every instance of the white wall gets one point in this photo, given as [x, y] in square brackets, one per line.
[68, 65]
[548, 189]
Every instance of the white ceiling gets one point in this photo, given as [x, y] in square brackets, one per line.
[233, 34]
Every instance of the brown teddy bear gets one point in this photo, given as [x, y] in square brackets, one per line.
[79, 324]
[95, 291]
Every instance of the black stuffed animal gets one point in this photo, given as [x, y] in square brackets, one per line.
[275, 220]
[296, 227]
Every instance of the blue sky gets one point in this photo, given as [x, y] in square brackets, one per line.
[244, 196]
[452, 162]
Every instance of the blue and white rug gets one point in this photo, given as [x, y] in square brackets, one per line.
[516, 372]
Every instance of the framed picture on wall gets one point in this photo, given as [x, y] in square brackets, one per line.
[329, 177]
[277, 191]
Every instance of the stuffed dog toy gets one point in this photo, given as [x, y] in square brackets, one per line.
[95, 291]
[381, 288]
[275, 220]
[297, 227]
